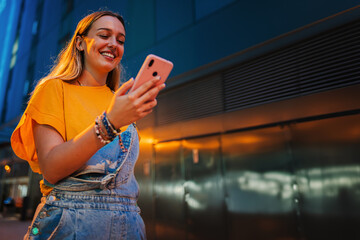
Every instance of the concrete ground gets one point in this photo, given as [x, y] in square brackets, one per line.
[11, 228]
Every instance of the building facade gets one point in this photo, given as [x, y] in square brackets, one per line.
[198, 36]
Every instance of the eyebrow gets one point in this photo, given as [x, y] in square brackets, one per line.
[108, 29]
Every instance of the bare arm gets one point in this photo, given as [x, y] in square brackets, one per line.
[58, 159]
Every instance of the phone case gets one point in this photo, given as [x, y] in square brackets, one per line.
[153, 66]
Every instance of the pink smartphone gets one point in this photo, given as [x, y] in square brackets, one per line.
[153, 66]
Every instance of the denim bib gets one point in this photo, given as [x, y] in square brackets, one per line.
[97, 202]
[109, 169]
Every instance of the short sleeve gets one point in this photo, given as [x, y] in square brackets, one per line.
[45, 107]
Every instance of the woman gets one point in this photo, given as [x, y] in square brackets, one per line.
[78, 132]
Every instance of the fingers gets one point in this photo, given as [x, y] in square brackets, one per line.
[145, 104]
[146, 86]
[148, 106]
[135, 105]
[125, 87]
[151, 94]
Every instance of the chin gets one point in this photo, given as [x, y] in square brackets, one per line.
[108, 68]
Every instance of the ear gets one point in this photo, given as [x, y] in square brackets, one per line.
[79, 43]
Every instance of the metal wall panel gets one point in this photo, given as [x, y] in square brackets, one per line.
[204, 192]
[327, 157]
[169, 192]
[259, 193]
[296, 180]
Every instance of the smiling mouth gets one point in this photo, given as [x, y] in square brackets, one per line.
[107, 54]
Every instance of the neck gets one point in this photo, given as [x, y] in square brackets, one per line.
[92, 79]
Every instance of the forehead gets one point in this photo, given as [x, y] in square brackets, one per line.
[109, 22]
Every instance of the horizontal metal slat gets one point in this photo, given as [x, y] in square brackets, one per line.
[326, 61]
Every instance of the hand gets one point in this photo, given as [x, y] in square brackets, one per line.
[128, 108]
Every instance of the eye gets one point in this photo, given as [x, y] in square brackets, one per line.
[103, 36]
[121, 42]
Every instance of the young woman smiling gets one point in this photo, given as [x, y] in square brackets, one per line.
[78, 131]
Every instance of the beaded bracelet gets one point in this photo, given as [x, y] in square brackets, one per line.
[102, 131]
[111, 132]
[110, 125]
[114, 131]
[98, 134]
[121, 144]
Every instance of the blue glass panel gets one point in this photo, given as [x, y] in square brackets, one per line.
[172, 16]
[206, 7]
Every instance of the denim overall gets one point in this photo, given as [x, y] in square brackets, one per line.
[97, 202]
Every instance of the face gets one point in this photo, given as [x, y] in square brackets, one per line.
[104, 45]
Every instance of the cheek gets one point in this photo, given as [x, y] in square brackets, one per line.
[121, 51]
[118, 61]
[90, 45]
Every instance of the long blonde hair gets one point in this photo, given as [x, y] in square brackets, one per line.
[69, 63]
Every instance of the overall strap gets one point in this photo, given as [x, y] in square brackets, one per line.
[78, 184]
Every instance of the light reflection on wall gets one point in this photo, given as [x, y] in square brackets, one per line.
[169, 145]
[8, 26]
[274, 184]
[2, 5]
[148, 140]
[193, 203]
[200, 145]
[323, 187]
[335, 177]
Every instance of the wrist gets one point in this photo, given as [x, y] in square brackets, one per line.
[111, 118]
[109, 124]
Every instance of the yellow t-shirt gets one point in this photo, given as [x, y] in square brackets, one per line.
[66, 107]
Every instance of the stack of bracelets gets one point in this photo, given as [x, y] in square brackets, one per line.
[106, 132]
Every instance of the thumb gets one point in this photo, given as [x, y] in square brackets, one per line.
[125, 87]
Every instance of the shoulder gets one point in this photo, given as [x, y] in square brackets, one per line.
[48, 87]
[49, 83]
[45, 91]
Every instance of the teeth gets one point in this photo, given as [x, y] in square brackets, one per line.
[108, 54]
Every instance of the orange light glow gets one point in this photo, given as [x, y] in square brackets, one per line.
[148, 140]
[208, 144]
[168, 145]
[7, 168]
[248, 139]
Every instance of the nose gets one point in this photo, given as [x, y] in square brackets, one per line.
[112, 42]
